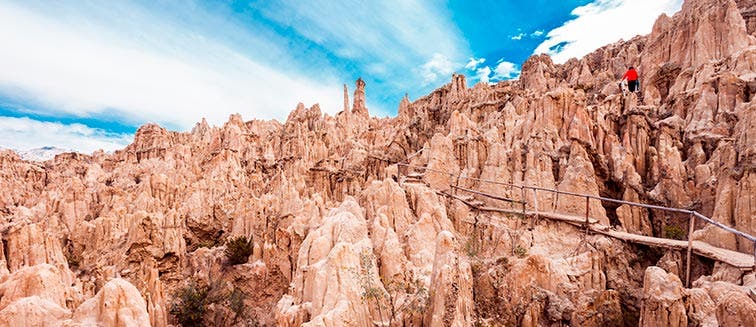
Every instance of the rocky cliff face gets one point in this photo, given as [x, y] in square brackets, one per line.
[134, 237]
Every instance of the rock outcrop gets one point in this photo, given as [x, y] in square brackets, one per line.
[340, 234]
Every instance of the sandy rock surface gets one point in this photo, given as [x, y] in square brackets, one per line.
[340, 237]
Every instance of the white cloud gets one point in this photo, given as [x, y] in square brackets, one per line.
[25, 134]
[439, 66]
[483, 74]
[518, 36]
[602, 22]
[473, 62]
[84, 70]
[505, 70]
[536, 33]
[414, 37]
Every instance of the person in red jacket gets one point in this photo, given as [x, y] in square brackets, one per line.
[632, 79]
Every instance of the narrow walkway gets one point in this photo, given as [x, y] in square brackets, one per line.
[742, 261]
[736, 259]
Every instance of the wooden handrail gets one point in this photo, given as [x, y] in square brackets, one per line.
[588, 196]
[523, 187]
[496, 197]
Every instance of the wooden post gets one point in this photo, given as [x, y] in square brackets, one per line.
[691, 224]
[555, 202]
[451, 182]
[522, 198]
[587, 209]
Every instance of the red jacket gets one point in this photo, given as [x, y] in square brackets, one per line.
[631, 75]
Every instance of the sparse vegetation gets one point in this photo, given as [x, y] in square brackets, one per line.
[370, 292]
[471, 246]
[418, 297]
[236, 303]
[520, 251]
[238, 250]
[674, 232]
[191, 303]
[415, 302]
[73, 260]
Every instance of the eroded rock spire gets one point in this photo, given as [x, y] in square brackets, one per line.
[346, 99]
[359, 98]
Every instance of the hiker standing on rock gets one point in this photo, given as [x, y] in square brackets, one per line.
[632, 79]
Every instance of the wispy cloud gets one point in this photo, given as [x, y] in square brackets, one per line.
[75, 68]
[483, 74]
[532, 35]
[173, 63]
[24, 134]
[602, 22]
[412, 36]
[439, 66]
[474, 62]
[504, 70]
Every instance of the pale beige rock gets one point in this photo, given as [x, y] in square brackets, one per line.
[32, 245]
[358, 106]
[335, 267]
[700, 308]
[33, 311]
[451, 303]
[663, 299]
[158, 212]
[43, 281]
[441, 163]
[633, 219]
[579, 179]
[118, 303]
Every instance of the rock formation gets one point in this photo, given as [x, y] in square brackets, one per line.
[339, 233]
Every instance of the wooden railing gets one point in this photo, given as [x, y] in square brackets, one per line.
[404, 166]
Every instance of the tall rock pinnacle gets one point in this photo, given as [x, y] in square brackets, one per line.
[359, 98]
[346, 99]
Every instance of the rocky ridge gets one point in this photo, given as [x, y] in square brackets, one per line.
[113, 239]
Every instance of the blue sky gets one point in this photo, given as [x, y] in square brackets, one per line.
[85, 75]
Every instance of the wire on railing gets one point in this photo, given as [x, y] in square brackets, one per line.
[588, 197]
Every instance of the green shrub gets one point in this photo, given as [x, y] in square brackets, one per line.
[191, 303]
[73, 260]
[520, 251]
[674, 232]
[238, 250]
[236, 302]
[472, 246]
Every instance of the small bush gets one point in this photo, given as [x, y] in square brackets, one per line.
[189, 309]
[471, 247]
[674, 232]
[520, 251]
[238, 250]
[236, 303]
[73, 260]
